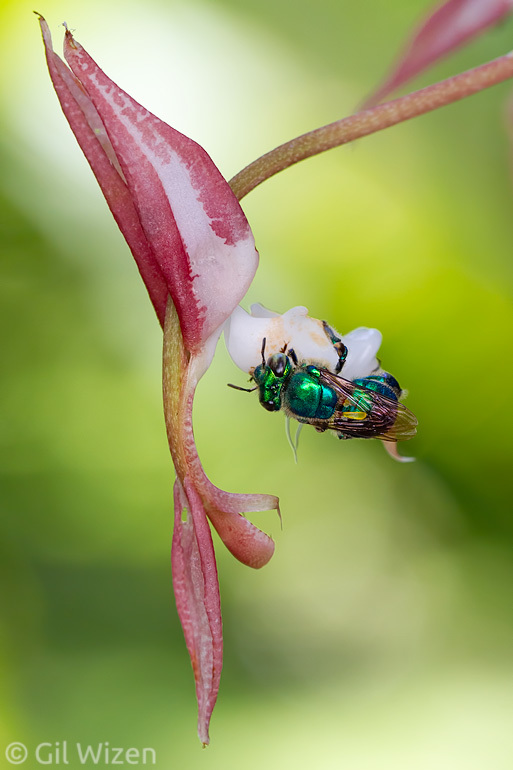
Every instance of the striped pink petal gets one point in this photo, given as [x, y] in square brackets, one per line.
[193, 222]
[89, 130]
[448, 27]
[196, 589]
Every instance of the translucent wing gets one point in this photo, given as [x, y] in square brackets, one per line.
[363, 413]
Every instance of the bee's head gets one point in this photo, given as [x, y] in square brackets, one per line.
[270, 377]
[279, 364]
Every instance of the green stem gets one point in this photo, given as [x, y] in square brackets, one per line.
[372, 120]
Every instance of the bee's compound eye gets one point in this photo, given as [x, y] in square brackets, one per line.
[278, 364]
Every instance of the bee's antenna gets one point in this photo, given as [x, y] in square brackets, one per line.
[237, 387]
[263, 351]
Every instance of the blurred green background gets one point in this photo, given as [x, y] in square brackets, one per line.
[381, 633]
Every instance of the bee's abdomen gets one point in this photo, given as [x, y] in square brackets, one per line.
[307, 398]
[385, 384]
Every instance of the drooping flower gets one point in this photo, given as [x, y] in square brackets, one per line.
[196, 254]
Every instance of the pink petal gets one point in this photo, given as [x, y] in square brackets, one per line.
[90, 133]
[447, 28]
[196, 589]
[246, 542]
[192, 220]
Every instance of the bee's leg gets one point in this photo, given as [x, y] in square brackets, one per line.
[342, 355]
[330, 333]
[237, 387]
[337, 344]
[292, 355]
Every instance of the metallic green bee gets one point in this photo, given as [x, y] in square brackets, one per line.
[367, 407]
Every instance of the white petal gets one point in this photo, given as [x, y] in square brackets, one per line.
[362, 346]
[259, 311]
[392, 450]
[244, 334]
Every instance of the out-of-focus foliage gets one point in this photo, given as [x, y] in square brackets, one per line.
[380, 635]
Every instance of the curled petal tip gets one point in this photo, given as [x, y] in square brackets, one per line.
[391, 447]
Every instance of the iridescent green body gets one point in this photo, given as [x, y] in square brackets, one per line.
[302, 394]
[305, 397]
[367, 407]
[385, 384]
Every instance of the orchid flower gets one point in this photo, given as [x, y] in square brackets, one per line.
[196, 255]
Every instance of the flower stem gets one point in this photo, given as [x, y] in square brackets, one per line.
[371, 120]
[174, 376]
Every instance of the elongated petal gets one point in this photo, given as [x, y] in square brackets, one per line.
[191, 218]
[447, 28]
[196, 590]
[91, 135]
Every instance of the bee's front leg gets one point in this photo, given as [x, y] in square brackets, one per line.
[337, 344]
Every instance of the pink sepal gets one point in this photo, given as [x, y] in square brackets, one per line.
[448, 27]
[196, 589]
[192, 220]
[246, 542]
[91, 135]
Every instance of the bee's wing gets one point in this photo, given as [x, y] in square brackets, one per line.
[382, 417]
